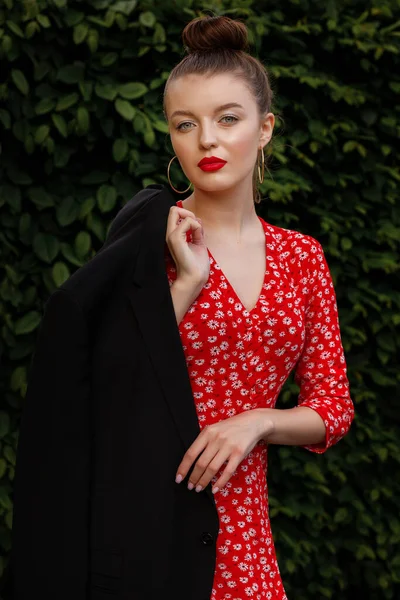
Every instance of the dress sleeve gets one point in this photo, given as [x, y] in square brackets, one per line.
[50, 533]
[321, 371]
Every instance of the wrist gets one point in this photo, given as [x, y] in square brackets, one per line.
[267, 424]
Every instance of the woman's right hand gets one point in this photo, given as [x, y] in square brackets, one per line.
[191, 258]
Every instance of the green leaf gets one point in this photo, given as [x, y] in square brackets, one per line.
[124, 6]
[18, 379]
[120, 149]
[80, 33]
[82, 243]
[7, 44]
[96, 225]
[106, 198]
[44, 21]
[16, 29]
[67, 101]
[20, 81]
[60, 273]
[60, 124]
[69, 255]
[125, 109]
[109, 59]
[46, 247]
[25, 224]
[41, 133]
[21, 130]
[349, 146]
[44, 106]
[27, 323]
[149, 138]
[346, 243]
[132, 90]
[83, 119]
[95, 177]
[92, 40]
[143, 50]
[72, 17]
[107, 91]
[5, 118]
[10, 455]
[161, 126]
[12, 195]
[86, 89]
[67, 211]
[41, 69]
[18, 177]
[3, 468]
[159, 36]
[341, 515]
[5, 500]
[147, 19]
[71, 73]
[313, 470]
[40, 197]
[86, 208]
[4, 425]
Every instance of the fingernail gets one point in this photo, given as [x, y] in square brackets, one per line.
[190, 485]
[199, 488]
[215, 490]
[178, 478]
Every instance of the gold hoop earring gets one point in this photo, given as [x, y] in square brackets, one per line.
[175, 190]
[261, 178]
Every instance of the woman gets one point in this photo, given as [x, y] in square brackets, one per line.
[141, 466]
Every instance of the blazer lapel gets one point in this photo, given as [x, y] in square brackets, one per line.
[151, 300]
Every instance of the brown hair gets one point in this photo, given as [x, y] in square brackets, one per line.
[218, 45]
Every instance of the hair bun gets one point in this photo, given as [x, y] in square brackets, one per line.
[205, 34]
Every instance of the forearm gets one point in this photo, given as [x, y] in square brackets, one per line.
[298, 426]
[183, 295]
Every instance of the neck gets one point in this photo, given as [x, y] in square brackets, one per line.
[228, 212]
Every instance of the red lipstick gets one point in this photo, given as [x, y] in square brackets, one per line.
[211, 163]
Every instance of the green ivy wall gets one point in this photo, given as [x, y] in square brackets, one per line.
[82, 130]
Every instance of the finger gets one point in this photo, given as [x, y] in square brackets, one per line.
[202, 466]
[198, 234]
[186, 225]
[175, 215]
[191, 455]
[233, 463]
[211, 469]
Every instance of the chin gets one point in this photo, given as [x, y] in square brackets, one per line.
[215, 185]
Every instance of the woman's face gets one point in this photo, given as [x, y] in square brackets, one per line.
[201, 126]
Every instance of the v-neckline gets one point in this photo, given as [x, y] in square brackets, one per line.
[260, 295]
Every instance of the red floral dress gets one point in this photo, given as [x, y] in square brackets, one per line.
[239, 360]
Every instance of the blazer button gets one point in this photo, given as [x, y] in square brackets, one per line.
[207, 538]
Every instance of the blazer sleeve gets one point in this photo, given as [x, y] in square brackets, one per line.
[49, 553]
[321, 371]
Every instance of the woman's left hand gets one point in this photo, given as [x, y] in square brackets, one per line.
[229, 441]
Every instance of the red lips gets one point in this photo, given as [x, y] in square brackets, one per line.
[209, 160]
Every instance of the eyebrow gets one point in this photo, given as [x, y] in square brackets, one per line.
[179, 113]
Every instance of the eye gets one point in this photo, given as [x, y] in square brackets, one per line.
[180, 126]
[230, 117]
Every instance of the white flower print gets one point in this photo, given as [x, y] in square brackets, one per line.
[237, 364]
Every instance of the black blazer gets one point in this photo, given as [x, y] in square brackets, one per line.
[108, 416]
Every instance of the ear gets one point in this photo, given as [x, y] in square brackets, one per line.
[267, 127]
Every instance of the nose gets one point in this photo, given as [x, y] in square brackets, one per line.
[207, 136]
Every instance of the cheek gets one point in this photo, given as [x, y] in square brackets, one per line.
[176, 144]
[184, 150]
[242, 145]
